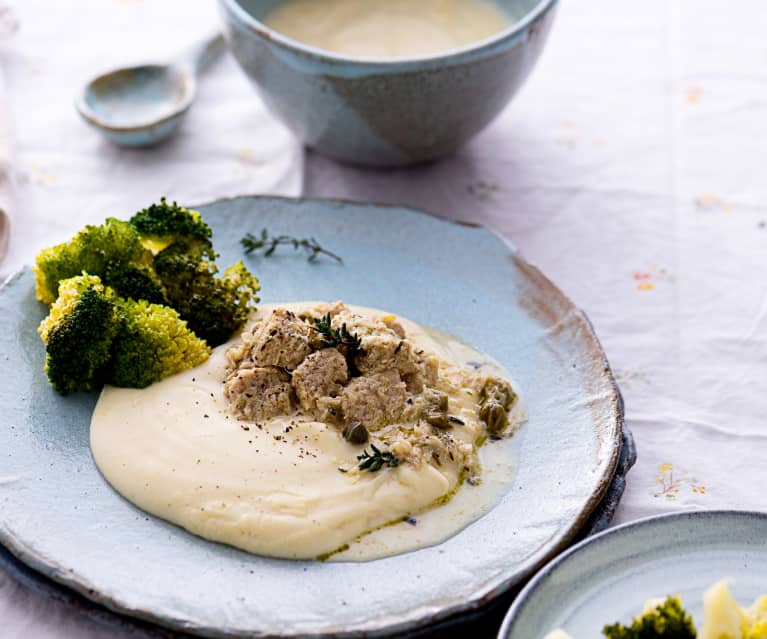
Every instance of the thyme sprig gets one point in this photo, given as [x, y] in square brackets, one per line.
[377, 459]
[269, 245]
[330, 336]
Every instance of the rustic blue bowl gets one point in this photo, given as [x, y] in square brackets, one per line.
[384, 112]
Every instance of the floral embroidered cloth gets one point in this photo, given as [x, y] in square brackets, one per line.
[630, 168]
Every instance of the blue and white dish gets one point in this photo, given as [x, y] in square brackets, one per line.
[61, 517]
[607, 578]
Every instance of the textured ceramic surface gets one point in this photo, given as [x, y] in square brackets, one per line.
[143, 105]
[608, 577]
[158, 95]
[381, 112]
[603, 514]
[59, 515]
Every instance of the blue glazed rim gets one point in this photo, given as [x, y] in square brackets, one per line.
[589, 519]
[524, 597]
[485, 46]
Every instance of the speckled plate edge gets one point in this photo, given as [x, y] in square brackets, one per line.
[563, 539]
[529, 591]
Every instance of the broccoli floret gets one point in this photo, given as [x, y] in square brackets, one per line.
[159, 225]
[214, 307]
[238, 288]
[668, 620]
[127, 338]
[78, 334]
[137, 282]
[152, 342]
[112, 251]
[93, 337]
[181, 264]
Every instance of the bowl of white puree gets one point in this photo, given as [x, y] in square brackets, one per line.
[386, 82]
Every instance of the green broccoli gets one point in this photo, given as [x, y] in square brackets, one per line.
[215, 307]
[78, 334]
[162, 256]
[93, 337]
[152, 342]
[185, 264]
[136, 282]
[112, 251]
[159, 225]
[668, 620]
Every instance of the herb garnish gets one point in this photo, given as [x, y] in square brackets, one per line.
[312, 247]
[334, 337]
[375, 461]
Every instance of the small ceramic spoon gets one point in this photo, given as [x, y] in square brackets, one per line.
[140, 106]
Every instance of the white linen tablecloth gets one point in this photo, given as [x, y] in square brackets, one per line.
[69, 176]
[7, 175]
[631, 169]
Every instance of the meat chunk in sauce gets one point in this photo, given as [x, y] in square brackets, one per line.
[282, 340]
[321, 374]
[259, 393]
[385, 352]
[374, 400]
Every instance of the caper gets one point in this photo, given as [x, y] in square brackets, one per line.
[355, 433]
[435, 408]
[500, 391]
[436, 399]
[437, 418]
[494, 415]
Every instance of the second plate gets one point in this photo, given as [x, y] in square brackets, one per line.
[607, 578]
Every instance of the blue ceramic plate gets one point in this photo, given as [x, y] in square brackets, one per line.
[60, 517]
[607, 578]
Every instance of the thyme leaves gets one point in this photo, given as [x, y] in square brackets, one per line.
[376, 460]
[331, 337]
[269, 244]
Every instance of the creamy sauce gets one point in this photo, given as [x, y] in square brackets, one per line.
[174, 450]
[387, 28]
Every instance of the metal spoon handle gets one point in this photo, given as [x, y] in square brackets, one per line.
[202, 54]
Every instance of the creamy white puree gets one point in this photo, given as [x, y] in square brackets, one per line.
[387, 28]
[174, 450]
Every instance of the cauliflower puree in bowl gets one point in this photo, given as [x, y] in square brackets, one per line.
[322, 431]
[386, 83]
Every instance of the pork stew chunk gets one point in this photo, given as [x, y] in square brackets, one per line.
[374, 400]
[259, 393]
[282, 340]
[321, 374]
